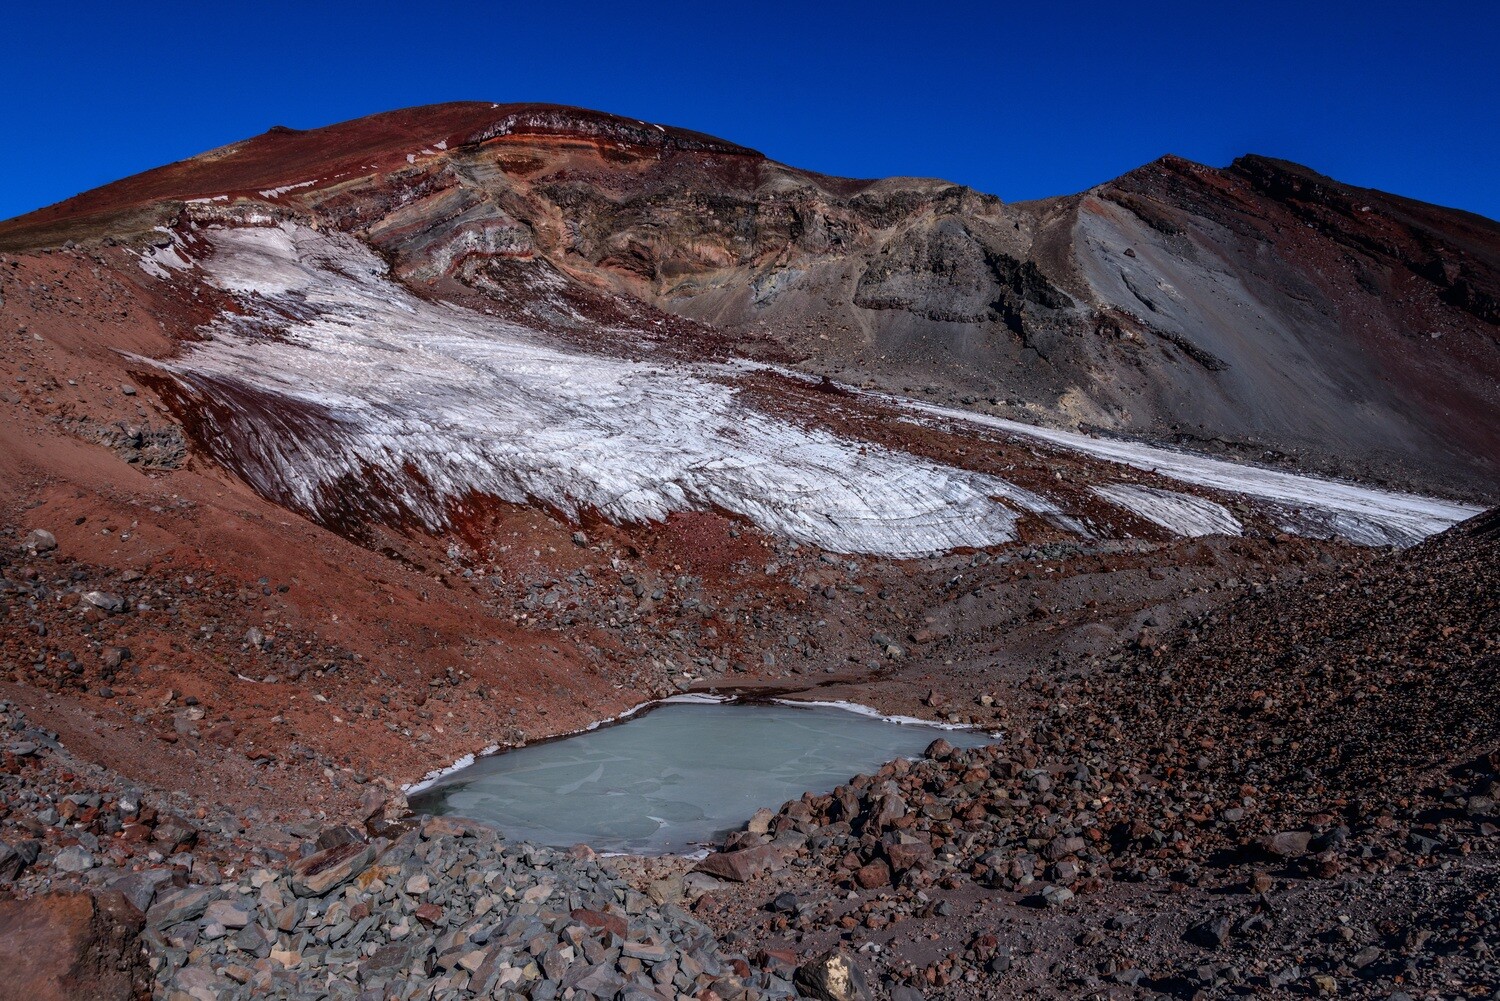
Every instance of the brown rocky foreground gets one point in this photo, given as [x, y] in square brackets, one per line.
[1294, 794]
[1215, 808]
[71, 945]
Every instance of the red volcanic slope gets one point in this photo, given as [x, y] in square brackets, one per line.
[289, 156]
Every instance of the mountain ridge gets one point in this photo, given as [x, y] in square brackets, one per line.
[1261, 311]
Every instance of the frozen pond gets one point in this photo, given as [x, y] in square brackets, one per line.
[678, 776]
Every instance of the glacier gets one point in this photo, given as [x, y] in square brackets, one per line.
[333, 385]
[1303, 504]
[335, 390]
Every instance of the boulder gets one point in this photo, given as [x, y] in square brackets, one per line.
[887, 806]
[938, 750]
[371, 805]
[73, 859]
[15, 858]
[228, 913]
[742, 865]
[760, 823]
[71, 945]
[322, 871]
[141, 888]
[1213, 932]
[1288, 844]
[833, 976]
[39, 540]
[612, 923]
[174, 834]
[339, 834]
[1055, 896]
[178, 904]
[904, 857]
[874, 875]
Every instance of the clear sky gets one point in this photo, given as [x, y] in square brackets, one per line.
[1019, 100]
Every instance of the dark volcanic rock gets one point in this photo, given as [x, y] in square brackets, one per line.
[833, 976]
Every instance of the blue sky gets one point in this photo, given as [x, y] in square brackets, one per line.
[1021, 101]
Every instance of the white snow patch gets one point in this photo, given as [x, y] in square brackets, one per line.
[435, 402]
[441, 144]
[1362, 515]
[158, 262]
[692, 698]
[863, 710]
[278, 192]
[155, 270]
[441, 773]
[1184, 514]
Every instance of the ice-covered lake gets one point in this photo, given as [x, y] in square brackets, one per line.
[676, 777]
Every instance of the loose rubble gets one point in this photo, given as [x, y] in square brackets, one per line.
[1134, 777]
[440, 908]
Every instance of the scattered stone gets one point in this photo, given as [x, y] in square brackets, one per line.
[833, 976]
[39, 540]
[104, 601]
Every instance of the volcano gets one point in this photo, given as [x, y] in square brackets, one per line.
[337, 456]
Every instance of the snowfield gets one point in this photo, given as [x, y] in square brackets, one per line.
[1181, 513]
[334, 389]
[430, 404]
[1307, 505]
